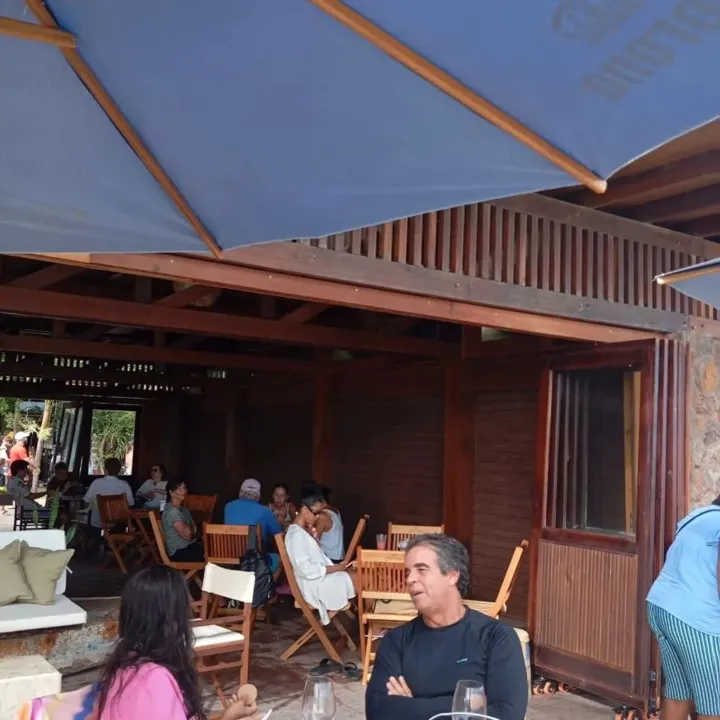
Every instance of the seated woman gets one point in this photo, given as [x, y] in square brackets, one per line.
[329, 530]
[324, 586]
[153, 491]
[179, 527]
[284, 509]
[151, 673]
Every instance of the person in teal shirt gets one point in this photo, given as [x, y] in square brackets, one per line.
[684, 613]
[247, 510]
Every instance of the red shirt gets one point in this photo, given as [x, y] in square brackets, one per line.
[18, 452]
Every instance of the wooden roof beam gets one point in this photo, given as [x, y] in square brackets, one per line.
[671, 179]
[142, 353]
[45, 277]
[705, 227]
[688, 205]
[44, 303]
[294, 270]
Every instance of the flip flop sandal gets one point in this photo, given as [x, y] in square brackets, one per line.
[326, 667]
[351, 671]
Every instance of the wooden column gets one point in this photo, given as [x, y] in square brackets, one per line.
[459, 451]
[322, 422]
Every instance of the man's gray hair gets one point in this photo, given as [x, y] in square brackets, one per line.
[451, 556]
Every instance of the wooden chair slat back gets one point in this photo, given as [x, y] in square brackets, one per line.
[112, 509]
[201, 507]
[156, 526]
[289, 572]
[226, 544]
[381, 571]
[398, 534]
[357, 536]
[511, 573]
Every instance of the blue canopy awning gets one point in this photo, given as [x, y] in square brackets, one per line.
[276, 121]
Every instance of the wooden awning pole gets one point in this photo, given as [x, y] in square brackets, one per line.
[456, 90]
[38, 33]
[91, 82]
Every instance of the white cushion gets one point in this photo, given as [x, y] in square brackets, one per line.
[28, 616]
[45, 539]
[232, 584]
[209, 635]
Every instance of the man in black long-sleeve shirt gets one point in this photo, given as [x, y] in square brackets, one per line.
[418, 664]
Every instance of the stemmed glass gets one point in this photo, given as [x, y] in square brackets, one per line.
[318, 699]
[469, 698]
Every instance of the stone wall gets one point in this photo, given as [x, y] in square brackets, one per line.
[704, 420]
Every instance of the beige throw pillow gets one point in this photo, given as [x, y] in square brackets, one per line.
[13, 585]
[43, 569]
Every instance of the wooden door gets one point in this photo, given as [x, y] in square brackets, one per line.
[610, 464]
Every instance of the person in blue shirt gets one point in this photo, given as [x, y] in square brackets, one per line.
[684, 613]
[247, 510]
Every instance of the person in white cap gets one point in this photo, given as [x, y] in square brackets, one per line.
[19, 450]
[247, 510]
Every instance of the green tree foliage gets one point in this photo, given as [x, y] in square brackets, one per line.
[112, 433]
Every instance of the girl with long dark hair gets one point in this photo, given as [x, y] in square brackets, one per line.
[151, 673]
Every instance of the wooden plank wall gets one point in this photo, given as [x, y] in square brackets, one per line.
[205, 447]
[159, 439]
[278, 441]
[503, 491]
[541, 243]
[387, 450]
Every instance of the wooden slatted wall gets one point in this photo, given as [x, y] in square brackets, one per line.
[538, 242]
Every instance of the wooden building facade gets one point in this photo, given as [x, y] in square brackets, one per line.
[509, 369]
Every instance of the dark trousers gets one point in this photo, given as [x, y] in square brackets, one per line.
[194, 552]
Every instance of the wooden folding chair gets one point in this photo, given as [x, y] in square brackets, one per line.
[383, 599]
[141, 520]
[226, 544]
[190, 569]
[201, 507]
[114, 513]
[499, 605]
[213, 637]
[355, 540]
[316, 629]
[398, 535]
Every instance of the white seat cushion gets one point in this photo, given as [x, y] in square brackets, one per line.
[28, 616]
[209, 635]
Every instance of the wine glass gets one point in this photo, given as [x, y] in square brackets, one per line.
[318, 699]
[469, 698]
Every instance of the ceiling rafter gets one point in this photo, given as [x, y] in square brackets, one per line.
[45, 277]
[45, 303]
[682, 175]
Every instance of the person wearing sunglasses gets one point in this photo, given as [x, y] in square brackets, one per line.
[153, 491]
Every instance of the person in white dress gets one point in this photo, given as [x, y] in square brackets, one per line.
[324, 585]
